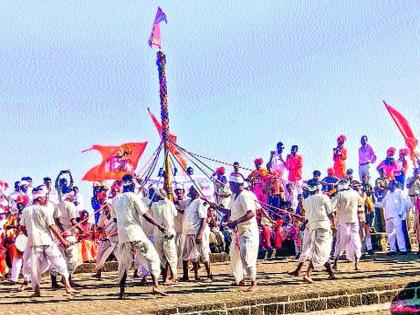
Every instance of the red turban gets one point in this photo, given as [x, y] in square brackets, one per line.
[341, 138]
[404, 151]
[258, 161]
[390, 151]
[220, 171]
[331, 171]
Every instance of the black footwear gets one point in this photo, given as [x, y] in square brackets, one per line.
[403, 253]
[391, 253]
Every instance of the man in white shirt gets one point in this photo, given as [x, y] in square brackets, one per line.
[164, 212]
[181, 203]
[394, 205]
[79, 202]
[109, 242]
[52, 194]
[69, 225]
[318, 212]
[38, 225]
[128, 208]
[348, 238]
[246, 234]
[197, 236]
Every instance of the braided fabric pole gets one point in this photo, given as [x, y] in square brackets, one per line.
[161, 63]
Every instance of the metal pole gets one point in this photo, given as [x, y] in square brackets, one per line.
[161, 63]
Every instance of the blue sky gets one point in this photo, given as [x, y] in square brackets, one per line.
[241, 76]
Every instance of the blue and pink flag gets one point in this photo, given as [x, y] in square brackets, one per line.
[154, 39]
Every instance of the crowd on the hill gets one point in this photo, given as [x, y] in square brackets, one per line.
[272, 210]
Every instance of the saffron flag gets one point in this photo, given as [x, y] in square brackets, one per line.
[154, 39]
[172, 148]
[116, 161]
[403, 125]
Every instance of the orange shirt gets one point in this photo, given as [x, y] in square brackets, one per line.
[294, 164]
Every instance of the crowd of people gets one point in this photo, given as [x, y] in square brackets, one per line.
[271, 210]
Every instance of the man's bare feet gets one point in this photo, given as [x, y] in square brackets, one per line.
[158, 291]
[252, 288]
[184, 279]
[332, 277]
[23, 287]
[334, 266]
[307, 279]
[198, 279]
[294, 273]
[36, 294]
[72, 291]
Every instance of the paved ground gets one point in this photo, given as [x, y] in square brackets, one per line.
[101, 296]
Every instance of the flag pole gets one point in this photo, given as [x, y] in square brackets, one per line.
[161, 64]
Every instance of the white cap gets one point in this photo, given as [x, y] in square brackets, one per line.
[179, 187]
[23, 182]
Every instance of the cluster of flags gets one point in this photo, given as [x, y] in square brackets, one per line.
[123, 159]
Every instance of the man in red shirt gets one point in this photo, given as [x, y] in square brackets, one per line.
[294, 164]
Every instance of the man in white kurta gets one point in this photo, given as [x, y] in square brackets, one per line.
[128, 208]
[69, 225]
[109, 242]
[164, 212]
[394, 204]
[42, 252]
[197, 236]
[318, 213]
[244, 249]
[348, 238]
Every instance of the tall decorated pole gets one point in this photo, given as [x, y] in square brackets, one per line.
[155, 40]
[164, 114]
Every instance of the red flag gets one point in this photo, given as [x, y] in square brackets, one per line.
[403, 125]
[181, 158]
[116, 161]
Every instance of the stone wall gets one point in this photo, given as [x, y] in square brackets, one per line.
[305, 302]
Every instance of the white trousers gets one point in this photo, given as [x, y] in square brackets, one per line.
[364, 170]
[243, 259]
[167, 251]
[71, 254]
[106, 248]
[348, 240]
[16, 268]
[37, 260]
[146, 253]
[395, 234]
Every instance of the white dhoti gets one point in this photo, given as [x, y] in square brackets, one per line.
[106, 248]
[194, 251]
[243, 258]
[146, 253]
[305, 253]
[167, 251]
[395, 234]
[71, 254]
[179, 243]
[319, 247]
[37, 260]
[348, 240]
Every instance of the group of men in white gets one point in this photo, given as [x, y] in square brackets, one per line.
[160, 235]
